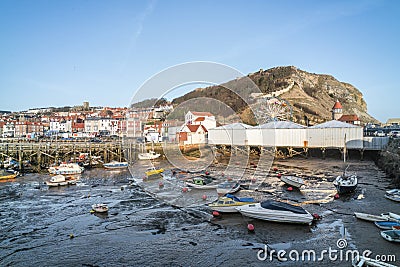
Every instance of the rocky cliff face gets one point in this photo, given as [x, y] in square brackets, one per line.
[311, 95]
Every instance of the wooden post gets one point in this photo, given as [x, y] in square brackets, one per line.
[21, 167]
[105, 154]
[90, 155]
[39, 158]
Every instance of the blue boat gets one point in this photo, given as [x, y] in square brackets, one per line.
[116, 165]
[387, 225]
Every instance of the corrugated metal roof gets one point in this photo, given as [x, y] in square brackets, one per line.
[235, 126]
[281, 125]
[334, 124]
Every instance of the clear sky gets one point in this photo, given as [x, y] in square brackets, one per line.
[58, 53]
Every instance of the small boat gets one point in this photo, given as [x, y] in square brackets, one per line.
[7, 175]
[153, 171]
[201, 183]
[394, 216]
[361, 261]
[387, 225]
[395, 227]
[116, 165]
[391, 235]
[276, 211]
[61, 180]
[293, 181]
[66, 169]
[228, 187]
[393, 194]
[229, 203]
[372, 218]
[345, 184]
[149, 155]
[101, 208]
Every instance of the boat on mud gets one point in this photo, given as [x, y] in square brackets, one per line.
[371, 217]
[66, 169]
[228, 187]
[346, 184]
[391, 235]
[61, 180]
[361, 261]
[115, 165]
[100, 207]
[228, 203]
[293, 181]
[201, 183]
[5, 175]
[276, 211]
[153, 171]
[387, 225]
[149, 155]
[393, 194]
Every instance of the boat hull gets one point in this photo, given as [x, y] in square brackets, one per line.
[386, 225]
[391, 235]
[393, 197]
[196, 186]
[346, 185]
[293, 181]
[370, 217]
[113, 166]
[257, 212]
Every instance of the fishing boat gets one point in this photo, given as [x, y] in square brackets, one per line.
[201, 183]
[153, 171]
[66, 169]
[393, 194]
[116, 165]
[372, 218]
[276, 211]
[387, 225]
[61, 180]
[391, 235]
[292, 180]
[361, 261]
[149, 155]
[345, 184]
[228, 187]
[100, 207]
[4, 175]
[228, 203]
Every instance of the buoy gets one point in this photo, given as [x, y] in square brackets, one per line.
[290, 188]
[275, 169]
[207, 173]
[184, 190]
[250, 227]
[316, 216]
[71, 236]
[336, 196]
[279, 175]
[92, 211]
[215, 213]
[253, 180]
[204, 197]
[160, 184]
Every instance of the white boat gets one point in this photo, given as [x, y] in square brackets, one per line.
[393, 194]
[292, 180]
[361, 261]
[371, 218]
[228, 187]
[394, 216]
[229, 203]
[149, 155]
[100, 207]
[116, 165]
[391, 235]
[60, 180]
[275, 211]
[66, 169]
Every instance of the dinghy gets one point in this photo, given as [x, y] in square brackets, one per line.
[391, 235]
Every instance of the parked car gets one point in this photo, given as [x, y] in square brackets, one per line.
[95, 140]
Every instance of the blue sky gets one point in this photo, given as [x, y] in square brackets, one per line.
[57, 53]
